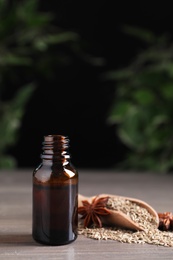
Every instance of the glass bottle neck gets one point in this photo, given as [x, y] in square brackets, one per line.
[55, 149]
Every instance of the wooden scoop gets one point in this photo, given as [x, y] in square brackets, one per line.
[118, 218]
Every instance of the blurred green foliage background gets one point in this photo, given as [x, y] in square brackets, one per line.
[141, 109]
[143, 104]
[26, 36]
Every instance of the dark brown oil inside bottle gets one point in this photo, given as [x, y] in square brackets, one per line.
[55, 215]
[55, 190]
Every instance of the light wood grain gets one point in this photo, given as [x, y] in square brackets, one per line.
[16, 215]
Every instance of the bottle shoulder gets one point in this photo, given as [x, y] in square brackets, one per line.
[55, 174]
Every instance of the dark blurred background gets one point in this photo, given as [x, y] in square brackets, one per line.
[58, 76]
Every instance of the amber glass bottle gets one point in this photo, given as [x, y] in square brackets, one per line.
[55, 190]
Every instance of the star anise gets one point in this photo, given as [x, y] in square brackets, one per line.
[166, 221]
[91, 212]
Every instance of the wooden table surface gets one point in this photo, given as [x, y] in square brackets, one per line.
[16, 215]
